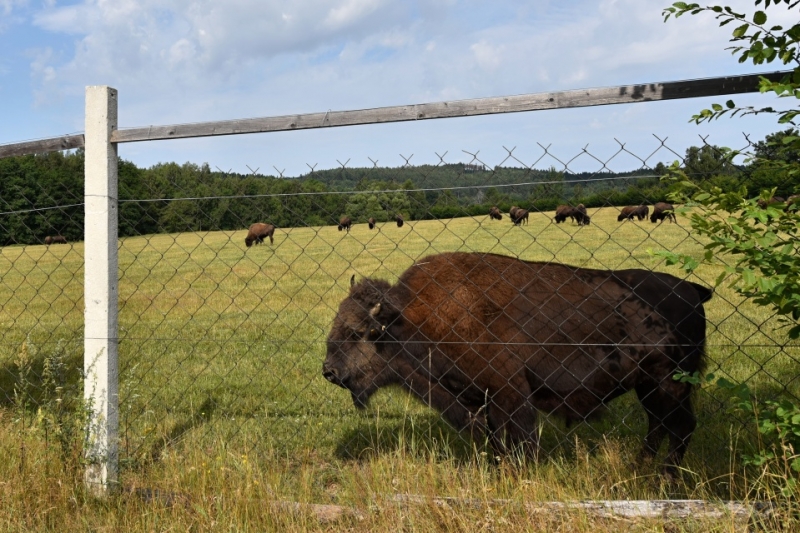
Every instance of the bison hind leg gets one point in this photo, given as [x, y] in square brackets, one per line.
[669, 415]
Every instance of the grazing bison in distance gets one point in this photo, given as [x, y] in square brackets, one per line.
[495, 214]
[638, 211]
[489, 340]
[371, 223]
[774, 200]
[257, 233]
[661, 211]
[55, 239]
[581, 216]
[399, 218]
[520, 215]
[563, 212]
[345, 223]
[577, 214]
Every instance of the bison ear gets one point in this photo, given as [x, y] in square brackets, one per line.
[352, 280]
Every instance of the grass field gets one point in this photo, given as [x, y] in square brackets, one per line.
[221, 393]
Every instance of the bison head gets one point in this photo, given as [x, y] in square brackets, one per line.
[356, 356]
[248, 241]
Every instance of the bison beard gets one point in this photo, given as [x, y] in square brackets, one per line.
[490, 340]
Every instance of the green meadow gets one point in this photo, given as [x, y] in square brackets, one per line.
[221, 392]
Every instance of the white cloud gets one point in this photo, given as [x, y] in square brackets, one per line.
[487, 55]
[7, 13]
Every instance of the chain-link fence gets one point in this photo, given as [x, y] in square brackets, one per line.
[224, 324]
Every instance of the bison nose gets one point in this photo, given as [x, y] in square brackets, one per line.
[330, 375]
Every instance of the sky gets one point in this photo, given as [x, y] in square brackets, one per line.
[183, 61]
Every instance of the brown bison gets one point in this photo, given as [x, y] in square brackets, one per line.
[520, 216]
[577, 214]
[399, 218]
[345, 223]
[55, 239]
[639, 211]
[371, 223]
[773, 200]
[661, 211]
[257, 233]
[495, 214]
[489, 340]
[563, 212]
[580, 215]
[512, 212]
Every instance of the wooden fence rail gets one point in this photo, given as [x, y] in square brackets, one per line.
[624, 94]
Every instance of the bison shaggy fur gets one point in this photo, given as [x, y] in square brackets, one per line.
[399, 219]
[371, 223]
[495, 214]
[490, 341]
[257, 233]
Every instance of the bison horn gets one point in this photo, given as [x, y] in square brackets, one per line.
[375, 310]
[352, 280]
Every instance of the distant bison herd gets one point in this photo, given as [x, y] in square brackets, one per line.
[490, 341]
[518, 216]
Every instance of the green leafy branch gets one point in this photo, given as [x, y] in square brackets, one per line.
[762, 240]
[759, 43]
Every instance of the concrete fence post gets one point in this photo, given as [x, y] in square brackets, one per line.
[101, 291]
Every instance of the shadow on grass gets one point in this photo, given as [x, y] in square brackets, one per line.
[200, 416]
[422, 436]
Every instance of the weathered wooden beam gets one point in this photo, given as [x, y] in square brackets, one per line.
[54, 144]
[624, 94]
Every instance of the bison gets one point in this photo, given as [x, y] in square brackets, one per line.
[371, 223]
[580, 215]
[512, 212]
[345, 223]
[638, 211]
[495, 214]
[55, 239]
[563, 212]
[577, 214]
[257, 233]
[773, 200]
[489, 340]
[399, 218]
[520, 215]
[661, 211]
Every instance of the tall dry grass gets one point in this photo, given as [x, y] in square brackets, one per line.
[224, 412]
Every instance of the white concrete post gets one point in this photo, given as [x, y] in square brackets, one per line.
[101, 291]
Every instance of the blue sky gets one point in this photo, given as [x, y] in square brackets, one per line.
[178, 61]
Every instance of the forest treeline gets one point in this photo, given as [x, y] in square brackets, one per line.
[42, 194]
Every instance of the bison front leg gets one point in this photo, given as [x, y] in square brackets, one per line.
[462, 416]
[512, 421]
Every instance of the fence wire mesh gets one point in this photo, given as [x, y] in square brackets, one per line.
[223, 326]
